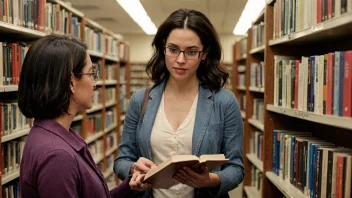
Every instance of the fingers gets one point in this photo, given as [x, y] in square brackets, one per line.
[143, 165]
[136, 183]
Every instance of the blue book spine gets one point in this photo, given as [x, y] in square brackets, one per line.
[336, 84]
[342, 63]
[274, 152]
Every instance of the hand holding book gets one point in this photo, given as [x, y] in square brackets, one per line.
[162, 175]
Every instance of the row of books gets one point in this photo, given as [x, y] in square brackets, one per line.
[97, 96]
[11, 190]
[258, 109]
[110, 72]
[243, 47]
[53, 18]
[96, 148]
[257, 74]
[123, 52]
[56, 19]
[11, 154]
[111, 140]
[256, 144]
[11, 119]
[295, 15]
[110, 94]
[316, 167]
[110, 118]
[320, 84]
[241, 80]
[242, 102]
[258, 35]
[11, 59]
[94, 124]
[256, 179]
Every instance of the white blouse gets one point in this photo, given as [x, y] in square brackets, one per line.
[166, 142]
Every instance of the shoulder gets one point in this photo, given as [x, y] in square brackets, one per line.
[224, 96]
[41, 142]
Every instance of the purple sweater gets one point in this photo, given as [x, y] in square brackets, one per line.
[57, 163]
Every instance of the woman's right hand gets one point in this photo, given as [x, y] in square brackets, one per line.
[143, 165]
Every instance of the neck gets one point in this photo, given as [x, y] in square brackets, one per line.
[65, 120]
[182, 88]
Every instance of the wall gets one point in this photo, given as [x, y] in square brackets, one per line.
[141, 50]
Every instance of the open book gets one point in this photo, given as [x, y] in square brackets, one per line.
[161, 176]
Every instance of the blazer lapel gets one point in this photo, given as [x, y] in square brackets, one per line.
[204, 108]
[151, 110]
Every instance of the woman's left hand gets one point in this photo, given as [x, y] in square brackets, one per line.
[197, 180]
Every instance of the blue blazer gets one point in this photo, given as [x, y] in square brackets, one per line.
[218, 128]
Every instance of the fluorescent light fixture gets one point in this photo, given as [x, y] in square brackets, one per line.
[249, 14]
[136, 11]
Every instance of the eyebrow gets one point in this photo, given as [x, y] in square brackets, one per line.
[189, 47]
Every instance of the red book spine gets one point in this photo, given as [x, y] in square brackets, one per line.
[319, 11]
[329, 9]
[339, 177]
[347, 81]
[296, 83]
[329, 102]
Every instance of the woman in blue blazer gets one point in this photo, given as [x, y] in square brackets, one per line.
[187, 112]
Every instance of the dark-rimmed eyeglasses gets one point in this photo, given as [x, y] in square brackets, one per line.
[93, 75]
[189, 54]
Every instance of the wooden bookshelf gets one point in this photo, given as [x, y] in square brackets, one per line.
[14, 33]
[255, 161]
[336, 34]
[253, 55]
[286, 188]
[252, 192]
[257, 50]
[256, 124]
[335, 28]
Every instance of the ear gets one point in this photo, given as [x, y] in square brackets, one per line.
[72, 83]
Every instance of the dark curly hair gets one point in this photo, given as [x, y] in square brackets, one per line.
[44, 87]
[210, 73]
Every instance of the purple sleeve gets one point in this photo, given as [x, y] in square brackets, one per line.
[58, 175]
[121, 191]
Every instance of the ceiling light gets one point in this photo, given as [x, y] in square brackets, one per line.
[250, 12]
[136, 11]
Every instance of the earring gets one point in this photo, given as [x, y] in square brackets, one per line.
[72, 90]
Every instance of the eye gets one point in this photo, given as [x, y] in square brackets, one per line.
[191, 52]
[173, 50]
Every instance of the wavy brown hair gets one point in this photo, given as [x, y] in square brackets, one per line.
[210, 73]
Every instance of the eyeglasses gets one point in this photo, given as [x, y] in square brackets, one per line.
[189, 54]
[93, 75]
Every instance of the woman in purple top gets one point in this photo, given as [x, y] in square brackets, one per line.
[57, 82]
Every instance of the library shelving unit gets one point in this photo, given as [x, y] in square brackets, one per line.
[125, 81]
[139, 78]
[228, 67]
[99, 125]
[307, 92]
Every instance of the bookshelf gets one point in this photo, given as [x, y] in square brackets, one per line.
[106, 113]
[313, 35]
[253, 88]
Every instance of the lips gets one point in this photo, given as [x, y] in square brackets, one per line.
[180, 70]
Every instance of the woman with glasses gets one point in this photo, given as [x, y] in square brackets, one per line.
[186, 112]
[57, 82]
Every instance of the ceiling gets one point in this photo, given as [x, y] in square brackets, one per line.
[222, 13]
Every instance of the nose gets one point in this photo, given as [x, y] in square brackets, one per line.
[94, 85]
[181, 58]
